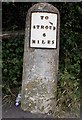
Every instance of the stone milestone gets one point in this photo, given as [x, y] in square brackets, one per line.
[41, 59]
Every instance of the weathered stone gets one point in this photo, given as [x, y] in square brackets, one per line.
[40, 69]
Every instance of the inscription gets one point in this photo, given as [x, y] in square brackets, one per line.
[43, 30]
[44, 27]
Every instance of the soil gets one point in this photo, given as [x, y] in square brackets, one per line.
[11, 111]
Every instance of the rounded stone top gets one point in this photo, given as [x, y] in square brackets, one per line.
[44, 7]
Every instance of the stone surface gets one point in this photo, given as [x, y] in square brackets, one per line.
[40, 69]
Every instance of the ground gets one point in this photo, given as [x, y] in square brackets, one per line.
[11, 111]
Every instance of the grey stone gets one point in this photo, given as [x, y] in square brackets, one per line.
[40, 70]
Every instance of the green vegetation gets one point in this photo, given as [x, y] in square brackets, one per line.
[12, 64]
[70, 52]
